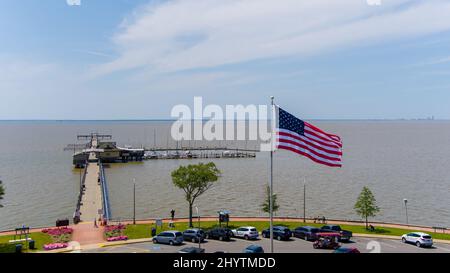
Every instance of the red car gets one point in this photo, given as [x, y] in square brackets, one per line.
[327, 240]
[347, 250]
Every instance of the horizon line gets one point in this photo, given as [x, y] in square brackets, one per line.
[169, 119]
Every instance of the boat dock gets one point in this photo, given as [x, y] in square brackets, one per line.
[188, 154]
[93, 200]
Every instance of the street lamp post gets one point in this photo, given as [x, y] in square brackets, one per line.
[304, 202]
[199, 238]
[134, 201]
[406, 210]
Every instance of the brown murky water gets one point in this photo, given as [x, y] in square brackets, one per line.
[396, 159]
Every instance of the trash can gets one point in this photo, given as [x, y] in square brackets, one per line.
[18, 248]
[31, 244]
[153, 232]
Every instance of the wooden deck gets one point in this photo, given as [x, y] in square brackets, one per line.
[92, 197]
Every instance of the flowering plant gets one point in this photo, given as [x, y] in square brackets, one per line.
[117, 238]
[57, 231]
[55, 246]
[118, 227]
[59, 235]
[114, 231]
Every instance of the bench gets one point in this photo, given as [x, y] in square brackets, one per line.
[20, 240]
[440, 228]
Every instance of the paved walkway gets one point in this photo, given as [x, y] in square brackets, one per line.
[92, 197]
[85, 233]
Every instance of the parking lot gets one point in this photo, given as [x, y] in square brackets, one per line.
[294, 245]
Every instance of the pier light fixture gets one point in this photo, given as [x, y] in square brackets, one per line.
[406, 209]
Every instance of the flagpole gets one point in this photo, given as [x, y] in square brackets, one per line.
[271, 178]
[304, 200]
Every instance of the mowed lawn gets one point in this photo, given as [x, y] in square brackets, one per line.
[40, 239]
[144, 230]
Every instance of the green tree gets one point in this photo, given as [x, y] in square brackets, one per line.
[2, 192]
[194, 180]
[266, 205]
[366, 206]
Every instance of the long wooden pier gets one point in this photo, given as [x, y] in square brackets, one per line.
[93, 201]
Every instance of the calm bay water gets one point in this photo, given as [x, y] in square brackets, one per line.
[396, 159]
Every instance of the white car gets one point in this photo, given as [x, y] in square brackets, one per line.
[246, 233]
[420, 239]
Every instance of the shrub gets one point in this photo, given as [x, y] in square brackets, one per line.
[59, 235]
[114, 231]
[55, 246]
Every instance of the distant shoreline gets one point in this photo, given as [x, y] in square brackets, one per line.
[167, 120]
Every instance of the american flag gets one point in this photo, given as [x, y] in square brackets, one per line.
[303, 138]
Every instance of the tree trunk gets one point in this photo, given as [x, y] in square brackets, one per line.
[367, 224]
[190, 215]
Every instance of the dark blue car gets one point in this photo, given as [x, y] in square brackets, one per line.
[279, 233]
[307, 233]
[253, 249]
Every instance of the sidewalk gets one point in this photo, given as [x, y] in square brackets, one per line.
[300, 220]
[85, 233]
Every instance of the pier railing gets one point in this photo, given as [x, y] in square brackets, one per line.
[76, 214]
[105, 196]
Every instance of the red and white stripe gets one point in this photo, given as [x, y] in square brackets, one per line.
[317, 145]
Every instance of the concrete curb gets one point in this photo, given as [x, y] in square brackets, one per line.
[147, 240]
[98, 245]
[390, 237]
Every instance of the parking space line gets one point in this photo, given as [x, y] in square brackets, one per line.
[388, 244]
[443, 248]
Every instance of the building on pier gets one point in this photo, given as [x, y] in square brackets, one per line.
[107, 152]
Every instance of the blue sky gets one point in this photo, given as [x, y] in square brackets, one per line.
[127, 59]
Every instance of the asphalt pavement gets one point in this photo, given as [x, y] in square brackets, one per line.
[294, 245]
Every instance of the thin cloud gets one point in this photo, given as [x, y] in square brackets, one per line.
[95, 53]
[191, 34]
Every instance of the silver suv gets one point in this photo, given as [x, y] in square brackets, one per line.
[169, 237]
[246, 233]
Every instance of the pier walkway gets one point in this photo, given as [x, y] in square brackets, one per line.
[92, 197]
[92, 201]
[91, 207]
[85, 233]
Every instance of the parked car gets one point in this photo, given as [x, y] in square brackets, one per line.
[345, 234]
[253, 249]
[327, 240]
[222, 234]
[194, 235]
[346, 250]
[172, 237]
[307, 233]
[191, 250]
[246, 233]
[279, 233]
[420, 239]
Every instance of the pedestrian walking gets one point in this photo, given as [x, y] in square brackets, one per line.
[172, 214]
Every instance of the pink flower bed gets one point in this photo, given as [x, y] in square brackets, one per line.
[117, 238]
[115, 228]
[57, 231]
[55, 246]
